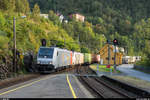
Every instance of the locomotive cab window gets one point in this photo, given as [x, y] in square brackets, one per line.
[46, 53]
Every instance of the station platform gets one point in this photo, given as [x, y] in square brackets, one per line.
[127, 70]
[52, 86]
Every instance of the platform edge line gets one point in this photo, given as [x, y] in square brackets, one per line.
[71, 89]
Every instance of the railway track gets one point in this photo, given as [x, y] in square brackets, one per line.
[105, 87]
[116, 90]
[101, 89]
[139, 92]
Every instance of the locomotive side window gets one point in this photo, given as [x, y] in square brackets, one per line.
[57, 53]
[136, 58]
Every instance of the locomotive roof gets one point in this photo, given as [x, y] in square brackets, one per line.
[55, 47]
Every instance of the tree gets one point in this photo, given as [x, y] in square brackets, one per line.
[85, 50]
[7, 5]
[19, 6]
[147, 49]
[22, 6]
[36, 11]
[27, 8]
[53, 17]
[2, 20]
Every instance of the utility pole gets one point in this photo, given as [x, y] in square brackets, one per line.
[64, 42]
[79, 39]
[126, 50]
[14, 45]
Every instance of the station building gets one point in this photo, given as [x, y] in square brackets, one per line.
[104, 55]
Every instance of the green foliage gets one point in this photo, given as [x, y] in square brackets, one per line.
[85, 35]
[36, 11]
[85, 50]
[108, 17]
[144, 62]
[53, 17]
[7, 5]
[4, 44]
[2, 20]
[22, 6]
[126, 20]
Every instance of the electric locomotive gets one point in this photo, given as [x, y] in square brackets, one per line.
[50, 59]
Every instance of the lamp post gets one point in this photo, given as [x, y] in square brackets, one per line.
[14, 43]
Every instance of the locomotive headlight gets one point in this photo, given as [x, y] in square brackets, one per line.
[38, 62]
[50, 62]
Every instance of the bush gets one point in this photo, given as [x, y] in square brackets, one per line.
[3, 43]
[144, 62]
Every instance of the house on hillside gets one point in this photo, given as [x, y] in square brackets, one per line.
[78, 17]
[104, 55]
[44, 16]
[62, 18]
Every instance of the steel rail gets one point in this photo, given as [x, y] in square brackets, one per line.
[92, 87]
[112, 88]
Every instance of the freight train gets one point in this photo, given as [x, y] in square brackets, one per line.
[53, 59]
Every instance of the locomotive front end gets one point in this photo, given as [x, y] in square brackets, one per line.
[45, 60]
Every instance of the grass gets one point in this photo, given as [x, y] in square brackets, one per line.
[103, 68]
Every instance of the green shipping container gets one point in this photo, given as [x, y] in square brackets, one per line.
[87, 58]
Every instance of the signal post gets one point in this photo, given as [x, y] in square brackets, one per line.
[115, 42]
